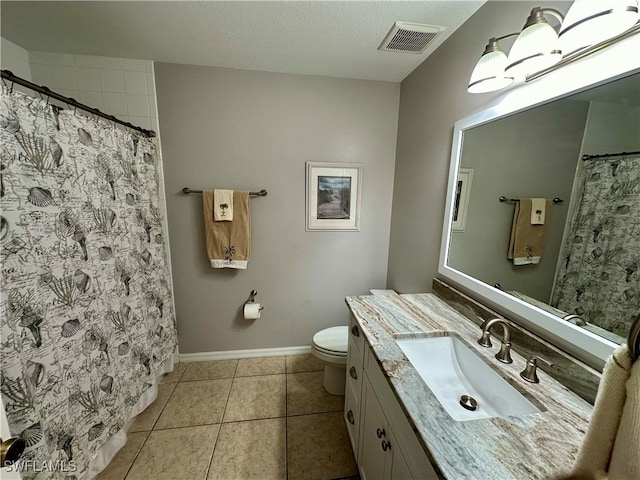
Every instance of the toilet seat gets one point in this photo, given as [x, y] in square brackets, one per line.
[332, 341]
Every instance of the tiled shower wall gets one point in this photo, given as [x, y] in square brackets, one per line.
[15, 58]
[117, 86]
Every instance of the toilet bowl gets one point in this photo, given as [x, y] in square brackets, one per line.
[330, 347]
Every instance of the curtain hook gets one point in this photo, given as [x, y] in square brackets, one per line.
[11, 89]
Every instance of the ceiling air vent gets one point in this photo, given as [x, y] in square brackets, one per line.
[409, 37]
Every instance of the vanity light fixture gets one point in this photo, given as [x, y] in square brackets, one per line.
[590, 26]
[488, 74]
[536, 47]
[589, 22]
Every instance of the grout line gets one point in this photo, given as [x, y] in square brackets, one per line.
[313, 413]
[134, 458]
[163, 407]
[286, 421]
[224, 410]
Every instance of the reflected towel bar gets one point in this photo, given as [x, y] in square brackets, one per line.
[261, 193]
[504, 199]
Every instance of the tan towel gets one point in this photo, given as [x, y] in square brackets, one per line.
[228, 243]
[527, 241]
[223, 206]
[625, 458]
[595, 452]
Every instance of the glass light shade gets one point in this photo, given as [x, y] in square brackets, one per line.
[589, 22]
[488, 74]
[535, 49]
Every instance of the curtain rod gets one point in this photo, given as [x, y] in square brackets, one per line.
[261, 193]
[8, 75]
[607, 155]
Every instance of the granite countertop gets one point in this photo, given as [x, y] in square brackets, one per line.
[535, 446]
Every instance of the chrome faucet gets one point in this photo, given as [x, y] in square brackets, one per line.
[576, 319]
[530, 371]
[504, 354]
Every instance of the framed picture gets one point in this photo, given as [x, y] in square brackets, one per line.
[461, 203]
[333, 196]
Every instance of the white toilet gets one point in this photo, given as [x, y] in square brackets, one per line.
[330, 347]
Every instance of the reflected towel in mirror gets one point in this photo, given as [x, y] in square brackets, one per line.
[526, 243]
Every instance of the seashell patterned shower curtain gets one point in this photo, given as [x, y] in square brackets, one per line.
[599, 277]
[87, 319]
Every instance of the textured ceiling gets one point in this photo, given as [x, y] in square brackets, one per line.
[334, 38]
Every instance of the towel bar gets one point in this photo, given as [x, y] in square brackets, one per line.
[504, 199]
[261, 193]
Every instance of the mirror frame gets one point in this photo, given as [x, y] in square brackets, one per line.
[612, 63]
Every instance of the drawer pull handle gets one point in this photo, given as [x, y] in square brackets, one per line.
[386, 445]
[355, 331]
[353, 373]
[350, 417]
[380, 432]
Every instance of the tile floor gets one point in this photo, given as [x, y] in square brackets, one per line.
[262, 418]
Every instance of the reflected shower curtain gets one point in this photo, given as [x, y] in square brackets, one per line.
[599, 277]
[87, 319]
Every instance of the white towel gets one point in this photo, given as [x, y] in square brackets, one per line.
[538, 210]
[223, 205]
[596, 450]
[625, 458]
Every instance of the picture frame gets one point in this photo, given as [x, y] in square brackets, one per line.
[334, 192]
[461, 202]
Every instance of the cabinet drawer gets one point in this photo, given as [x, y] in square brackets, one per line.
[352, 417]
[354, 373]
[356, 337]
[416, 458]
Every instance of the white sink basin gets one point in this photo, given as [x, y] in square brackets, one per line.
[450, 369]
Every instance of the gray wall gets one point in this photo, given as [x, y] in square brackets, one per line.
[250, 130]
[433, 97]
[531, 154]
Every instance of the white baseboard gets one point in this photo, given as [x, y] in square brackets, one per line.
[233, 354]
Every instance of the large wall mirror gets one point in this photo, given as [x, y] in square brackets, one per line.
[579, 286]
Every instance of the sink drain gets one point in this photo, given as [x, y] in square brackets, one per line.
[468, 402]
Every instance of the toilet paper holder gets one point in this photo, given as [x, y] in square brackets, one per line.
[252, 298]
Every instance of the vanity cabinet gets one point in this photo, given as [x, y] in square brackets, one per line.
[384, 444]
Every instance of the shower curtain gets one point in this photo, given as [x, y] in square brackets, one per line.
[87, 320]
[599, 277]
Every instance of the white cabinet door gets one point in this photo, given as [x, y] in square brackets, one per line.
[374, 456]
[6, 474]
[399, 469]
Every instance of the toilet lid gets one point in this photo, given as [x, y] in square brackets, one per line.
[334, 339]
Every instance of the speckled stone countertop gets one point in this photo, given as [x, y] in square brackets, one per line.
[536, 446]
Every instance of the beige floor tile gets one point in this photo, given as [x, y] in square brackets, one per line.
[179, 453]
[256, 397]
[121, 463]
[172, 377]
[210, 370]
[195, 403]
[305, 394]
[249, 367]
[318, 447]
[147, 419]
[247, 450]
[303, 363]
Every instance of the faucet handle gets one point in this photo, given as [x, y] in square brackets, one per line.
[530, 370]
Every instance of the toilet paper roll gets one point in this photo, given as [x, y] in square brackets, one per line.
[252, 311]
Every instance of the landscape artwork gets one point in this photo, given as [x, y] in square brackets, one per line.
[334, 197]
